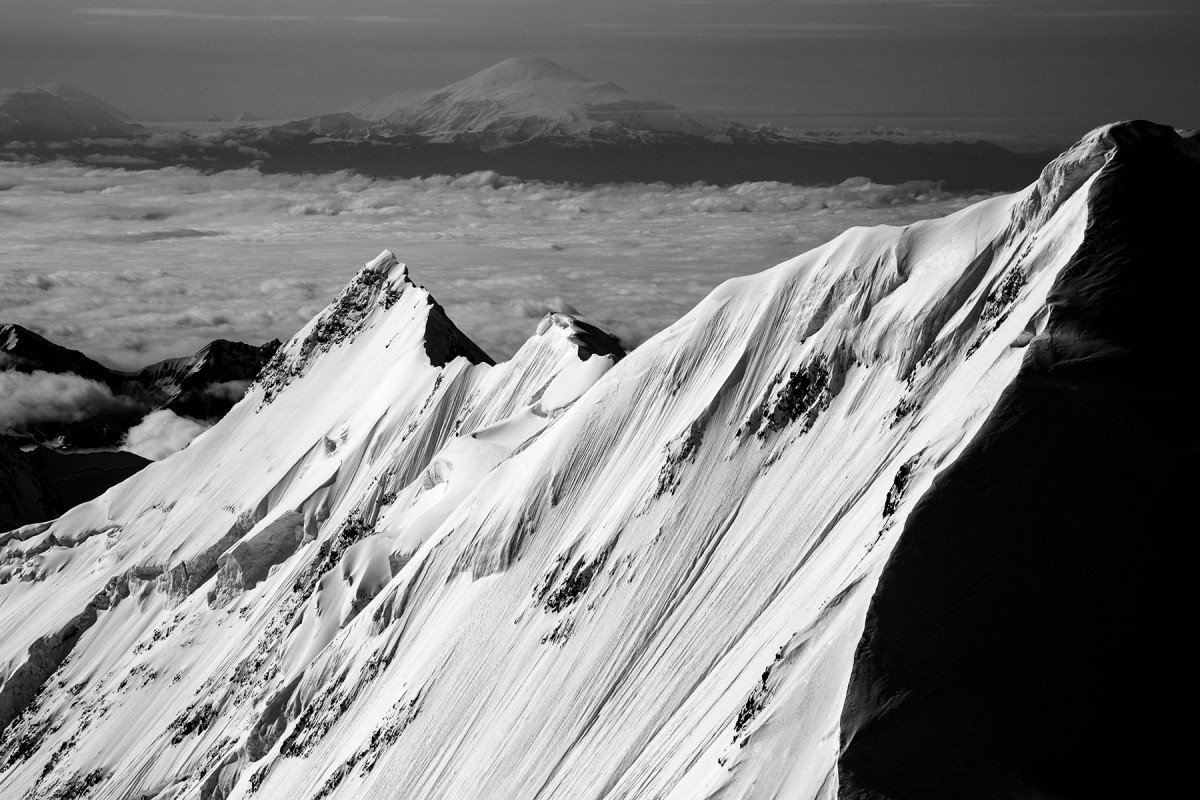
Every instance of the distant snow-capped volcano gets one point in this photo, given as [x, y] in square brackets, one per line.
[524, 98]
[77, 96]
[58, 111]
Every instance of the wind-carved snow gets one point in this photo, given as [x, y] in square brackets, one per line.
[395, 570]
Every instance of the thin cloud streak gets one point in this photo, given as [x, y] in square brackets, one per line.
[163, 13]
[375, 19]
[1113, 13]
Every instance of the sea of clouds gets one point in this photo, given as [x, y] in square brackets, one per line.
[135, 266]
[35, 398]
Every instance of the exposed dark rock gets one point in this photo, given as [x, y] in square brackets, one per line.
[195, 719]
[590, 340]
[802, 397]
[576, 582]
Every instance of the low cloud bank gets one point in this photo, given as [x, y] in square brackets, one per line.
[131, 267]
[161, 433]
[37, 398]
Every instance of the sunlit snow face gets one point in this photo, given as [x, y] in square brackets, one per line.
[131, 267]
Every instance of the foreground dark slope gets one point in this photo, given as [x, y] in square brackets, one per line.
[1024, 640]
[40, 484]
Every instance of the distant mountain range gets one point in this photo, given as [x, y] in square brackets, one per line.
[203, 385]
[524, 117]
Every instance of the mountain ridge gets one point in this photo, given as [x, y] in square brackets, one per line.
[555, 576]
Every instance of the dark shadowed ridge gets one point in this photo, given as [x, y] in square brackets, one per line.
[77, 96]
[444, 342]
[1025, 637]
[25, 351]
[40, 484]
[204, 385]
[587, 338]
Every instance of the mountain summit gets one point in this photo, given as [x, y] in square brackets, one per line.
[519, 70]
[895, 518]
[525, 98]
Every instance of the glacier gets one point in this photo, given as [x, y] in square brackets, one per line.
[397, 569]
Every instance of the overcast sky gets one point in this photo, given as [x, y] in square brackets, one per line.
[1051, 66]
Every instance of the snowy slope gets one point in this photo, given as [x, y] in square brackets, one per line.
[396, 570]
[524, 98]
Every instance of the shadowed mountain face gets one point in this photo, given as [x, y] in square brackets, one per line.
[22, 350]
[40, 484]
[1024, 638]
[206, 384]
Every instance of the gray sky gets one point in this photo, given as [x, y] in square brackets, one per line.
[1052, 66]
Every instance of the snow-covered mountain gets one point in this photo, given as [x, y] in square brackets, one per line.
[528, 98]
[58, 111]
[396, 569]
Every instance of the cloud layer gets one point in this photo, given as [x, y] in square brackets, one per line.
[131, 267]
[161, 433]
[37, 398]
